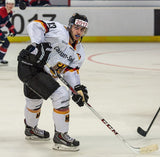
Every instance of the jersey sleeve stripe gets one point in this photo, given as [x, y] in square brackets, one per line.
[72, 69]
[43, 24]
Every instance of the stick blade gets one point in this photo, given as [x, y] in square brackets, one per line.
[141, 131]
[149, 149]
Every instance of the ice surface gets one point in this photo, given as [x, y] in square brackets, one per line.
[123, 80]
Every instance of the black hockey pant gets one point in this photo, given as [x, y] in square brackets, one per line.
[37, 83]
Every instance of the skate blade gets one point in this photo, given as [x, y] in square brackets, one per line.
[35, 138]
[61, 147]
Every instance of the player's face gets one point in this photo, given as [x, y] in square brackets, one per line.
[77, 31]
[9, 6]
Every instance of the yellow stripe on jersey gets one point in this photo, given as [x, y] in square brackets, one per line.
[43, 24]
[65, 111]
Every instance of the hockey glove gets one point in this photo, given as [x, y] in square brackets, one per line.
[78, 99]
[12, 31]
[85, 92]
[35, 54]
[81, 96]
[26, 56]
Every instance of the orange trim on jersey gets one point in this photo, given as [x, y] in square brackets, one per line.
[43, 24]
[34, 111]
[65, 111]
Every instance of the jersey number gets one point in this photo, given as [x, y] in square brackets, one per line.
[52, 25]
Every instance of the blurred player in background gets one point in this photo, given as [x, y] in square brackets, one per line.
[57, 46]
[43, 3]
[5, 15]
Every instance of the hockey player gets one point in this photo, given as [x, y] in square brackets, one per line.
[57, 46]
[5, 15]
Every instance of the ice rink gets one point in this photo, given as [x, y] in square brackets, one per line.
[123, 80]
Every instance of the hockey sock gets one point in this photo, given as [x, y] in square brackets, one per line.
[32, 116]
[61, 119]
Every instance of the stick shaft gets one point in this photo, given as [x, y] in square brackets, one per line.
[153, 120]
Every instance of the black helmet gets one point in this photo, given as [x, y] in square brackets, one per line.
[78, 19]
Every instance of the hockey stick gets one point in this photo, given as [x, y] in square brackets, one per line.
[144, 133]
[146, 149]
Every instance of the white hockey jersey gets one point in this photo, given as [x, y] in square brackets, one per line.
[64, 58]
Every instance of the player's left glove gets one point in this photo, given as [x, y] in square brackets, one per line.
[81, 96]
[85, 92]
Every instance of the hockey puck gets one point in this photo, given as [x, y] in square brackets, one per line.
[22, 5]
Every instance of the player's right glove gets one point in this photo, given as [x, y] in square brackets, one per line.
[35, 54]
[81, 96]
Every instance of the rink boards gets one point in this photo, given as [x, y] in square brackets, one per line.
[106, 24]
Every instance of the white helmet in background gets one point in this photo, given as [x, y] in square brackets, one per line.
[10, 1]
